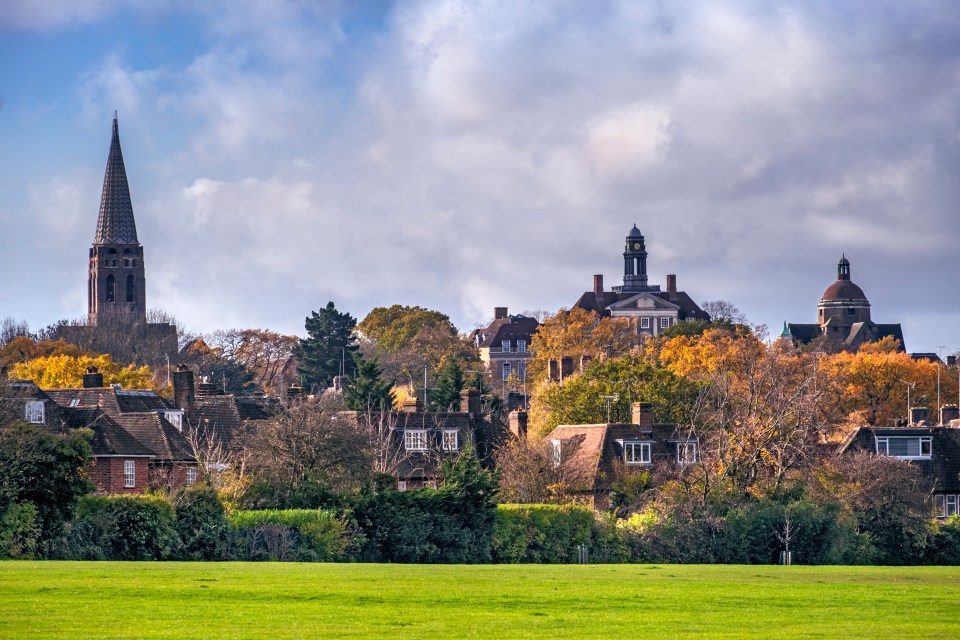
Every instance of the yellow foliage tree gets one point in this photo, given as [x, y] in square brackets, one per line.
[66, 372]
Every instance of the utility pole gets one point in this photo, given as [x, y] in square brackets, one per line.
[939, 364]
[910, 385]
[610, 400]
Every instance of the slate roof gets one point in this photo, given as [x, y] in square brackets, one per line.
[689, 310]
[511, 328]
[115, 224]
[216, 417]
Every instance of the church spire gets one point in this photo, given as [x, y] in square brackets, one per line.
[115, 224]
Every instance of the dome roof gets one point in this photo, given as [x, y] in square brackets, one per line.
[843, 290]
[634, 233]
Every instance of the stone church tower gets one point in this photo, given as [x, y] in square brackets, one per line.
[117, 281]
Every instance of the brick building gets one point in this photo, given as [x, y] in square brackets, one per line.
[843, 316]
[649, 309]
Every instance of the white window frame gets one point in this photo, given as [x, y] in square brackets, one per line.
[191, 476]
[521, 346]
[950, 505]
[401, 485]
[129, 474]
[451, 440]
[664, 323]
[556, 453]
[636, 452]
[522, 369]
[644, 323]
[505, 346]
[687, 452]
[175, 418]
[34, 412]
[415, 439]
[505, 370]
[925, 447]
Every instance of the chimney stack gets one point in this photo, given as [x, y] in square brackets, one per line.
[412, 404]
[598, 285]
[951, 361]
[470, 401]
[918, 415]
[92, 379]
[499, 313]
[566, 367]
[949, 412]
[671, 283]
[642, 414]
[183, 393]
[518, 424]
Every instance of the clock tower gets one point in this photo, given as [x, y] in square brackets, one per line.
[635, 263]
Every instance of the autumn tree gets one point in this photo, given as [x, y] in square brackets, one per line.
[320, 356]
[874, 382]
[577, 333]
[66, 372]
[21, 349]
[406, 340]
[306, 455]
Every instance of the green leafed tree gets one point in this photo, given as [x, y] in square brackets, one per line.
[368, 391]
[580, 399]
[328, 343]
[45, 470]
[445, 395]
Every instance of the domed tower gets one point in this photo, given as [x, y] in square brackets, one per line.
[842, 304]
[635, 262]
[116, 274]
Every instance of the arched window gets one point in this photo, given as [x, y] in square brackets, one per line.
[131, 291]
[111, 289]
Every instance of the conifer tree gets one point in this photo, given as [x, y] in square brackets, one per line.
[329, 341]
[368, 391]
[446, 392]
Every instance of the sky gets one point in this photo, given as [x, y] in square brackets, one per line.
[464, 155]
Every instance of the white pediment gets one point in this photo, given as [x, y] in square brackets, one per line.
[644, 301]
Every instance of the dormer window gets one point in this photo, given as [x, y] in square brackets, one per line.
[686, 452]
[34, 412]
[505, 346]
[175, 418]
[415, 440]
[636, 452]
[556, 452]
[451, 440]
[521, 346]
[905, 447]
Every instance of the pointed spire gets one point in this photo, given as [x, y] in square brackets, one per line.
[115, 225]
[786, 331]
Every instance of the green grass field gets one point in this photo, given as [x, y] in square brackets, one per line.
[240, 600]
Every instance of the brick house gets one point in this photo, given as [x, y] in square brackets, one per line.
[933, 449]
[137, 440]
[414, 443]
[597, 455]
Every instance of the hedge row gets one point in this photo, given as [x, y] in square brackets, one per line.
[441, 527]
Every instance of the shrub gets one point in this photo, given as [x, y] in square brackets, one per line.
[301, 534]
[540, 533]
[20, 531]
[130, 527]
[201, 523]
[944, 543]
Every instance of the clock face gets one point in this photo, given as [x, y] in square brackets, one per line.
[636, 245]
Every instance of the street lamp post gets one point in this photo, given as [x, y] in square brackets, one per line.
[910, 385]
